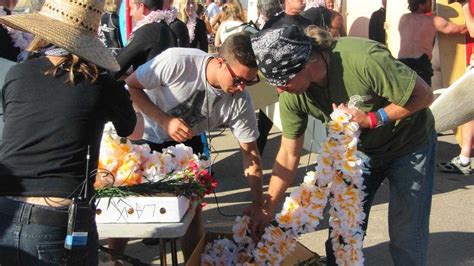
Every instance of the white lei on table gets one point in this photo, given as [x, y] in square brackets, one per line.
[156, 16]
[20, 39]
[191, 24]
[338, 179]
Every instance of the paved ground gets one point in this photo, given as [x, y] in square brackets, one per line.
[452, 214]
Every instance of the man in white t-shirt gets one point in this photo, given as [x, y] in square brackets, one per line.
[183, 92]
[212, 9]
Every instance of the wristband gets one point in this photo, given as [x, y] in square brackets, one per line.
[379, 120]
[372, 119]
[383, 115]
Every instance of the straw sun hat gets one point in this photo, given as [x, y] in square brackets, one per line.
[70, 24]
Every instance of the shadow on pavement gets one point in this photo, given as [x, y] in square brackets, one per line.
[440, 252]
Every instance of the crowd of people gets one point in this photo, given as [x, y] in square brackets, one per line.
[162, 87]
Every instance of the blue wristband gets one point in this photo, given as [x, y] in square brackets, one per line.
[383, 115]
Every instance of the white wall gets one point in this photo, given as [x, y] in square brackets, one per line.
[357, 14]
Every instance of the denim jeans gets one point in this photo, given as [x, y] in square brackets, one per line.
[26, 243]
[411, 188]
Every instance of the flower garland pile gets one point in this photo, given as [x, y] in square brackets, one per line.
[127, 169]
[338, 176]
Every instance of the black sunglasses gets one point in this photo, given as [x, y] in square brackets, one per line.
[236, 81]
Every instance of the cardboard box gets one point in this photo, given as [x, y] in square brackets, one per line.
[301, 256]
[162, 209]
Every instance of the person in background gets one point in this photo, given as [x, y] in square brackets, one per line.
[212, 10]
[13, 43]
[266, 10]
[319, 16]
[196, 26]
[336, 27]
[217, 20]
[290, 16]
[150, 36]
[376, 24]
[177, 26]
[8, 50]
[110, 27]
[231, 23]
[316, 73]
[184, 92]
[56, 106]
[417, 33]
[461, 164]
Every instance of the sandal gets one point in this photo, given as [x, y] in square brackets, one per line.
[455, 166]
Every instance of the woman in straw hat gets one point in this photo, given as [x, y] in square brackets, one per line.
[55, 109]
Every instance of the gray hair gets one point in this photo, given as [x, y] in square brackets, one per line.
[269, 8]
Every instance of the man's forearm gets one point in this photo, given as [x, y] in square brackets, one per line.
[284, 171]
[146, 106]
[421, 97]
[253, 171]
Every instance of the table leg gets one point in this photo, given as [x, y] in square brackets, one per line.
[163, 251]
[174, 255]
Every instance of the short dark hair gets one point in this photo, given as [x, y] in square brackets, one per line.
[237, 47]
[199, 9]
[152, 4]
[413, 4]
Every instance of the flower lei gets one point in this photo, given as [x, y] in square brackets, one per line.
[19, 38]
[337, 174]
[156, 16]
[191, 25]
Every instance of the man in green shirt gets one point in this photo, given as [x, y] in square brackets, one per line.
[314, 74]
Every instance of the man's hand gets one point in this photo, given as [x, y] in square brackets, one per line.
[358, 116]
[259, 219]
[177, 129]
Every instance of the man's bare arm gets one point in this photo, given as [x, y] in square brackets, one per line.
[253, 171]
[284, 171]
[444, 26]
[175, 127]
[469, 19]
[421, 97]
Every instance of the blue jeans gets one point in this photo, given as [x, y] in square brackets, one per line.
[411, 188]
[25, 243]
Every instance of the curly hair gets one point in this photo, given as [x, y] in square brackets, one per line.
[414, 4]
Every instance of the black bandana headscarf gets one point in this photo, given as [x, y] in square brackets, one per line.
[281, 53]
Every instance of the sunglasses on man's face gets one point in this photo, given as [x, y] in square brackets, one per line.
[236, 80]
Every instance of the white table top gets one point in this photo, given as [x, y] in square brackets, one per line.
[147, 230]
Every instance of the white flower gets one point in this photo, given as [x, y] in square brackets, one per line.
[310, 178]
[340, 116]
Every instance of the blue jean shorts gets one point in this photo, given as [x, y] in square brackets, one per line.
[34, 235]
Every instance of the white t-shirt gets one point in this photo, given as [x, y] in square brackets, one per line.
[175, 81]
[230, 27]
[212, 10]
